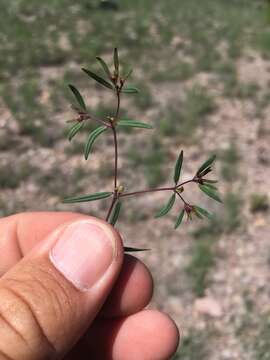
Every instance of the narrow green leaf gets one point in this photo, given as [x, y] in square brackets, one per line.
[104, 66]
[91, 139]
[206, 164]
[206, 171]
[128, 74]
[211, 193]
[74, 130]
[134, 123]
[116, 60]
[78, 96]
[197, 213]
[116, 212]
[98, 78]
[210, 181]
[165, 209]
[129, 90]
[178, 167]
[204, 212]
[132, 249]
[210, 186]
[85, 198]
[179, 219]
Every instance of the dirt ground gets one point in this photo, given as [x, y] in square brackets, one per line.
[212, 278]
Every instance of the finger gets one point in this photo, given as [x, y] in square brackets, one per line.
[132, 291]
[21, 232]
[147, 335]
[53, 294]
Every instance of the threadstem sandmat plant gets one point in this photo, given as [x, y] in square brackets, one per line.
[116, 82]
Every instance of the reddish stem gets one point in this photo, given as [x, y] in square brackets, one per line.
[116, 194]
[115, 157]
[98, 120]
[181, 197]
[111, 207]
[147, 191]
[113, 122]
[172, 188]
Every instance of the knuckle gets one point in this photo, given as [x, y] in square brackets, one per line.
[36, 307]
[19, 325]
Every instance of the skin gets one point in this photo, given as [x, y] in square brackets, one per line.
[119, 328]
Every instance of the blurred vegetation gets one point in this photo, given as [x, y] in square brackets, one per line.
[262, 340]
[151, 161]
[11, 178]
[259, 202]
[193, 346]
[43, 36]
[203, 251]
[230, 162]
[183, 119]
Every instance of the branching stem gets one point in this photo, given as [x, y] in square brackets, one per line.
[118, 92]
[181, 197]
[92, 117]
[172, 188]
[115, 157]
[116, 193]
[111, 207]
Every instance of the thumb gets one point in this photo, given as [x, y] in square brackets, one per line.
[49, 299]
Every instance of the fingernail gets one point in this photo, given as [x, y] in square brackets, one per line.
[83, 253]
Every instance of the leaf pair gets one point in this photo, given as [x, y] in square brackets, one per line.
[105, 83]
[202, 212]
[111, 85]
[107, 70]
[206, 165]
[166, 208]
[78, 125]
[98, 131]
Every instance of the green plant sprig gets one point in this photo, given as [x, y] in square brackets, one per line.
[115, 81]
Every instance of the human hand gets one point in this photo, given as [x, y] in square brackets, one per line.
[64, 280]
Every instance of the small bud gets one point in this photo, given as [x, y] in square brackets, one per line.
[114, 79]
[180, 189]
[120, 189]
[111, 119]
[198, 179]
[82, 116]
[188, 210]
